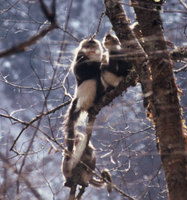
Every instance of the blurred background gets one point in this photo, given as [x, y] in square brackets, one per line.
[39, 79]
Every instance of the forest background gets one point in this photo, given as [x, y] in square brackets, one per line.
[36, 87]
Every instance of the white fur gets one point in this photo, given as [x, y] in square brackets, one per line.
[104, 83]
[111, 79]
[86, 93]
[105, 58]
[78, 151]
[80, 145]
[94, 53]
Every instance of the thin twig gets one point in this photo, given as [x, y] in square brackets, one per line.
[99, 24]
[14, 119]
[62, 47]
[8, 165]
[180, 69]
[4, 79]
[183, 4]
[122, 192]
[24, 45]
[69, 33]
[50, 15]
[35, 119]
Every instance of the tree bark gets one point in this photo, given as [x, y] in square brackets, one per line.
[166, 110]
[165, 105]
[133, 50]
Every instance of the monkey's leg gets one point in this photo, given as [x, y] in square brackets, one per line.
[72, 192]
[81, 192]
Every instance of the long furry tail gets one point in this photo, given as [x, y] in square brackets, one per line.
[71, 118]
[97, 182]
[106, 179]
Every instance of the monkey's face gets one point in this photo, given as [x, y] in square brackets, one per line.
[111, 42]
[92, 49]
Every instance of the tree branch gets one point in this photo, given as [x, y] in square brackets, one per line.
[183, 4]
[24, 45]
[20, 176]
[180, 53]
[51, 16]
[27, 124]
[130, 80]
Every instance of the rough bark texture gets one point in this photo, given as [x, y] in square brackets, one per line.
[165, 103]
[177, 53]
[134, 51]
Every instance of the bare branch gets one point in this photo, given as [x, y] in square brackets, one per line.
[99, 24]
[69, 33]
[62, 47]
[13, 118]
[20, 176]
[36, 119]
[181, 69]
[7, 9]
[130, 80]
[27, 87]
[180, 53]
[50, 15]
[183, 4]
[23, 46]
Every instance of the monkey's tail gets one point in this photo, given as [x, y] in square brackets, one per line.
[71, 118]
[106, 179]
[97, 182]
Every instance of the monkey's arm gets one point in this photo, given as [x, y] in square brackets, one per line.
[86, 70]
[117, 63]
[124, 67]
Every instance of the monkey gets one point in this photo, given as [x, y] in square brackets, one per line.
[80, 159]
[117, 68]
[89, 88]
[82, 173]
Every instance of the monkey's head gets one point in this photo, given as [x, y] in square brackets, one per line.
[111, 42]
[92, 49]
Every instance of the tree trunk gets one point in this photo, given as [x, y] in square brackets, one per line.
[165, 105]
[133, 50]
